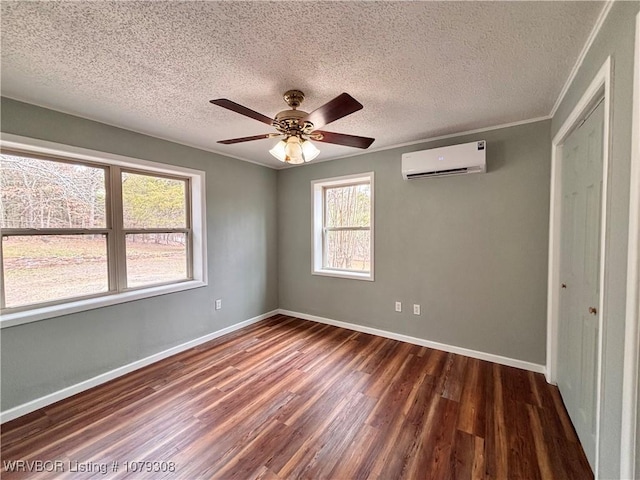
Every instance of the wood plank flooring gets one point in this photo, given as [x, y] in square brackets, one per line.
[288, 399]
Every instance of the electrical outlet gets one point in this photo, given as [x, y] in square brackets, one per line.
[218, 304]
[416, 309]
[398, 306]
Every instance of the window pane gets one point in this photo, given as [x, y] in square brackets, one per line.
[49, 194]
[44, 268]
[153, 202]
[349, 250]
[348, 206]
[156, 258]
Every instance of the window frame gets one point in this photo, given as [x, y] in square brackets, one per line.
[319, 229]
[114, 165]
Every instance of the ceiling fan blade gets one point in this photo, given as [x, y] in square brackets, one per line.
[248, 139]
[341, 106]
[342, 139]
[247, 112]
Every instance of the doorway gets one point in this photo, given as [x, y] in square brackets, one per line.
[578, 331]
[577, 344]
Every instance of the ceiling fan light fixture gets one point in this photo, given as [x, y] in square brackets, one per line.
[278, 150]
[294, 150]
[309, 151]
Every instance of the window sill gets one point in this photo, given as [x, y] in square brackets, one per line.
[42, 313]
[343, 274]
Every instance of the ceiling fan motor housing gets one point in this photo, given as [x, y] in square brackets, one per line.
[288, 122]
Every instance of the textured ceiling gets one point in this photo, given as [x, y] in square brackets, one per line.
[421, 69]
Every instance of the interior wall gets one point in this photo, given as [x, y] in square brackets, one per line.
[615, 39]
[470, 249]
[43, 357]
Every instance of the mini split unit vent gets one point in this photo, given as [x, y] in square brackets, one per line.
[438, 162]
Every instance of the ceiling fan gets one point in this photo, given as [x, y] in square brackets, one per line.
[299, 127]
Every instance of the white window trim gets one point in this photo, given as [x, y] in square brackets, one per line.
[317, 206]
[198, 219]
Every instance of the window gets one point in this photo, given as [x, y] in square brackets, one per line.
[83, 229]
[343, 226]
[156, 228]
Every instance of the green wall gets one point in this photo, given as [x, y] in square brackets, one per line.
[471, 249]
[43, 357]
[615, 39]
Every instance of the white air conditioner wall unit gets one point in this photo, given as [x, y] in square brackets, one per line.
[439, 162]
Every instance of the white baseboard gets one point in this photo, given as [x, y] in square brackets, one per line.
[490, 357]
[41, 402]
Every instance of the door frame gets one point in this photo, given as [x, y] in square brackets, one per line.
[600, 86]
[631, 380]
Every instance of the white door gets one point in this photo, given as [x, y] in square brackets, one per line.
[580, 276]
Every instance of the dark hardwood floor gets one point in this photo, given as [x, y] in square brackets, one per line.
[287, 398]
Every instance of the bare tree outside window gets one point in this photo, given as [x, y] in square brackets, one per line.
[347, 227]
[44, 194]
